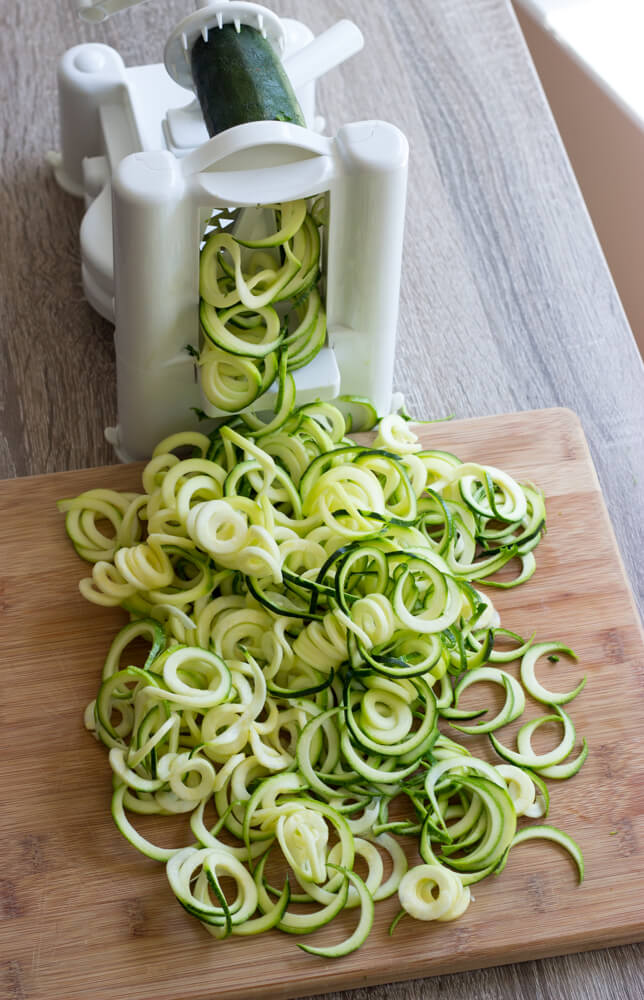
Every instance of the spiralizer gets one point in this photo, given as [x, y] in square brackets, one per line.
[163, 153]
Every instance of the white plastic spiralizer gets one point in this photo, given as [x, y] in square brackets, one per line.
[135, 145]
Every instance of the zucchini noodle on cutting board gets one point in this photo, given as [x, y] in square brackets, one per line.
[311, 611]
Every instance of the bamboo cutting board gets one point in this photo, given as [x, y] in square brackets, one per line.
[83, 915]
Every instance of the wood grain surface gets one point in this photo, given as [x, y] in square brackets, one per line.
[85, 915]
[506, 301]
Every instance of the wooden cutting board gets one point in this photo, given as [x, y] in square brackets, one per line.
[83, 915]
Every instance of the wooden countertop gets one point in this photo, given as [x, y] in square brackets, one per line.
[506, 304]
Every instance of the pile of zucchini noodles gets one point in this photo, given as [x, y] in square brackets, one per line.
[261, 311]
[311, 609]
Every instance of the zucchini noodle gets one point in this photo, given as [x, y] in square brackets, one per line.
[311, 618]
[261, 311]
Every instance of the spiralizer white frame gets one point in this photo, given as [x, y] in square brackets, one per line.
[161, 204]
[134, 144]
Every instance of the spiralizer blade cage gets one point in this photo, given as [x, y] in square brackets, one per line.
[136, 146]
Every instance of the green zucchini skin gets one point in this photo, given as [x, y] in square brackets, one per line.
[239, 78]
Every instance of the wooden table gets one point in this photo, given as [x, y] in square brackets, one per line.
[507, 303]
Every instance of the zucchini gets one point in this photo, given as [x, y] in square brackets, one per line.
[239, 78]
[306, 610]
[365, 923]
